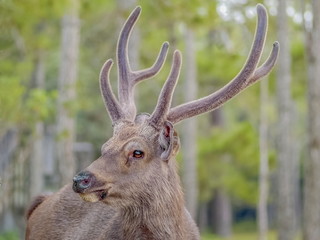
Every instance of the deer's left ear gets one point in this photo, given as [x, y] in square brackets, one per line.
[166, 141]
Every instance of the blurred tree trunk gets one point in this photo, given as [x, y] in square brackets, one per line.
[264, 165]
[285, 172]
[8, 147]
[221, 204]
[222, 213]
[202, 219]
[311, 229]
[36, 160]
[67, 92]
[189, 137]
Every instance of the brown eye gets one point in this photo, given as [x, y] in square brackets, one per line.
[137, 154]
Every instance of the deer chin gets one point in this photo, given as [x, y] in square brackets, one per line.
[95, 196]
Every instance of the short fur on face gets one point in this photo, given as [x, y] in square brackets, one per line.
[121, 178]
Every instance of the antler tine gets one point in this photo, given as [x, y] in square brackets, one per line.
[127, 77]
[110, 101]
[241, 81]
[155, 68]
[164, 101]
[266, 67]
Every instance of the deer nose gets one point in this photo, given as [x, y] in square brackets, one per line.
[83, 181]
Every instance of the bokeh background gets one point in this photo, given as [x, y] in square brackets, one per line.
[250, 170]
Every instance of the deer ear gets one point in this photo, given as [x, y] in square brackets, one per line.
[166, 140]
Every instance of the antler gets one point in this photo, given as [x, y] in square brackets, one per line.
[246, 77]
[127, 77]
[111, 103]
[165, 97]
[125, 109]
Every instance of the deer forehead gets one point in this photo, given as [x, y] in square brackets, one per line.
[142, 134]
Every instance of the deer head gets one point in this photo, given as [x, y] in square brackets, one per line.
[137, 162]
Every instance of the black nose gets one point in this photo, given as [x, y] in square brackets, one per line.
[83, 181]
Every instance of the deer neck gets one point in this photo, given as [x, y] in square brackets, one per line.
[160, 215]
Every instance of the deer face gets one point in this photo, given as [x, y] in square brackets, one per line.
[129, 163]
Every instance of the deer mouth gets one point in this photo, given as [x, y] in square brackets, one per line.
[95, 195]
[102, 194]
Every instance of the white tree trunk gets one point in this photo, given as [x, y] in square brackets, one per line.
[8, 146]
[285, 170]
[264, 165]
[36, 160]
[311, 229]
[221, 204]
[67, 92]
[189, 140]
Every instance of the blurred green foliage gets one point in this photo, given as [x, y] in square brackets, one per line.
[228, 157]
[10, 96]
[9, 236]
[239, 236]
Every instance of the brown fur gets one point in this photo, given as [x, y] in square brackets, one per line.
[36, 202]
[145, 200]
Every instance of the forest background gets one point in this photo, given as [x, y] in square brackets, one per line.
[250, 170]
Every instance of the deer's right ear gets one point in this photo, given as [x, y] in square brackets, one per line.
[166, 141]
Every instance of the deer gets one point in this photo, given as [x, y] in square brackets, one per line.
[133, 190]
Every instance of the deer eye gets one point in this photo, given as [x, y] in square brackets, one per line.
[137, 154]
